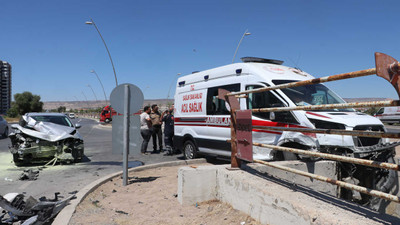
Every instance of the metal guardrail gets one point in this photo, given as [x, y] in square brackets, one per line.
[339, 183]
[386, 67]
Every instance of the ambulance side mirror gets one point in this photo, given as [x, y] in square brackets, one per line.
[272, 116]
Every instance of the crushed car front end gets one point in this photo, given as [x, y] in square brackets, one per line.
[35, 141]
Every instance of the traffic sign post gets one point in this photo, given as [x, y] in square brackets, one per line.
[126, 99]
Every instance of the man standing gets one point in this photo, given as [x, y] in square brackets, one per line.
[145, 128]
[168, 119]
[155, 117]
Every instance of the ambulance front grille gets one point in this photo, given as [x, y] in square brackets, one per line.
[367, 141]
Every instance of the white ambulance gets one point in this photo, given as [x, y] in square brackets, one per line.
[389, 115]
[202, 120]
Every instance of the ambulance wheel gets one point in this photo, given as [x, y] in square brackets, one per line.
[189, 150]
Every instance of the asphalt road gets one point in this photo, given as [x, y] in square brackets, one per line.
[98, 161]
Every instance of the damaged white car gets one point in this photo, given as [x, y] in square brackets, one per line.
[40, 137]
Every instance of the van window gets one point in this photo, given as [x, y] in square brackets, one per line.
[313, 94]
[267, 99]
[217, 106]
[380, 111]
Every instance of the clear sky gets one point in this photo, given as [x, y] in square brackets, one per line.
[52, 50]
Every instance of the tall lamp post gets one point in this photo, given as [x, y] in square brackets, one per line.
[87, 102]
[245, 34]
[105, 96]
[170, 86]
[91, 22]
[145, 89]
[92, 91]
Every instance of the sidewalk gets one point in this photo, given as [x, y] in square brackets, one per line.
[149, 198]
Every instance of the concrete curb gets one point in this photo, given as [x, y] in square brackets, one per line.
[66, 214]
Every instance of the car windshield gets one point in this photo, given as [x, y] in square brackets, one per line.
[314, 94]
[61, 120]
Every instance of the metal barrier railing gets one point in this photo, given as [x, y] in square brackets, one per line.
[386, 67]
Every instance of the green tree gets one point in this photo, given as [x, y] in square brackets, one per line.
[12, 112]
[26, 102]
[61, 109]
[371, 111]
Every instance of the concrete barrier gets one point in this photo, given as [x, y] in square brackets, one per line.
[325, 168]
[271, 200]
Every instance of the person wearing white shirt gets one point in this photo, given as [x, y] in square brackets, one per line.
[145, 128]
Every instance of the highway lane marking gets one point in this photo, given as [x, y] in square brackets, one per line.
[22, 187]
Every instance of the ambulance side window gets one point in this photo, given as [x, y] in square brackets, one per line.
[217, 106]
[267, 100]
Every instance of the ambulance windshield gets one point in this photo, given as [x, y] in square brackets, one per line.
[314, 94]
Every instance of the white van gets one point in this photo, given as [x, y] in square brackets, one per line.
[202, 120]
[71, 115]
[389, 115]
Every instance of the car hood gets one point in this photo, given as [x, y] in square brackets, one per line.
[350, 119]
[46, 130]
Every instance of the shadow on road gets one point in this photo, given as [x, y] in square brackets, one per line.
[132, 180]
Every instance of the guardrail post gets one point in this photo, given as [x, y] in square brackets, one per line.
[234, 105]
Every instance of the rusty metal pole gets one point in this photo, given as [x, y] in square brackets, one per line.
[342, 184]
[235, 161]
[377, 134]
[331, 106]
[364, 162]
[387, 67]
[234, 105]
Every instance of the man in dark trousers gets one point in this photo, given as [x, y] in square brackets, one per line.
[168, 119]
[155, 117]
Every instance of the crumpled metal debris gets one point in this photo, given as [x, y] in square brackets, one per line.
[29, 174]
[14, 209]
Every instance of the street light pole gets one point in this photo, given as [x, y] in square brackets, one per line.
[105, 96]
[170, 86]
[91, 22]
[244, 34]
[145, 89]
[93, 92]
[87, 102]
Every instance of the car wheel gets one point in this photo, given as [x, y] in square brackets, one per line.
[189, 150]
[5, 134]
[77, 154]
[107, 120]
[17, 161]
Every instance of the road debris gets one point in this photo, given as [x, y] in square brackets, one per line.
[15, 209]
[29, 174]
[121, 212]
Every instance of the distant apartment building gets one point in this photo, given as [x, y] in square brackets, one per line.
[5, 86]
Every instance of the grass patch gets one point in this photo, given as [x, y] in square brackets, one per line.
[11, 119]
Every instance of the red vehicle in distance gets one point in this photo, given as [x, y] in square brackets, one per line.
[107, 113]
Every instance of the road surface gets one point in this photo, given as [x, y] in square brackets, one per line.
[98, 161]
